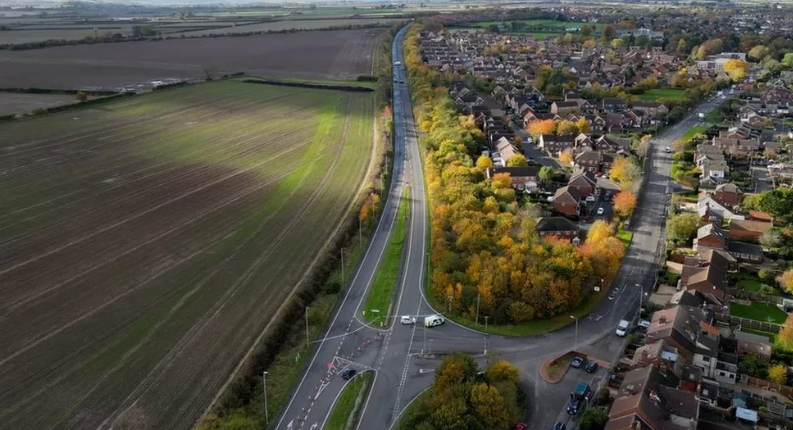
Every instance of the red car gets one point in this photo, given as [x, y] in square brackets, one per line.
[521, 426]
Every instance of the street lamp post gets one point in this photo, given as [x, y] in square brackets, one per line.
[264, 383]
[342, 268]
[306, 326]
[575, 345]
[486, 318]
[449, 304]
[477, 309]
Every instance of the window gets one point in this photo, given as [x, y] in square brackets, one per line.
[706, 359]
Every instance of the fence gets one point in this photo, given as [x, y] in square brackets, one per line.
[755, 296]
[748, 323]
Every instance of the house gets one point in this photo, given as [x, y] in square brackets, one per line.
[505, 148]
[605, 143]
[647, 400]
[744, 229]
[745, 252]
[728, 195]
[585, 183]
[707, 349]
[566, 201]
[606, 188]
[556, 144]
[523, 178]
[709, 280]
[656, 353]
[614, 104]
[760, 216]
[752, 344]
[679, 327]
[653, 109]
[564, 107]
[557, 226]
[707, 206]
[710, 236]
[590, 161]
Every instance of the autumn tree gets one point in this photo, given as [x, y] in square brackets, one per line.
[777, 373]
[758, 52]
[785, 337]
[484, 162]
[736, 68]
[536, 128]
[786, 280]
[598, 232]
[566, 156]
[608, 32]
[566, 128]
[624, 171]
[624, 204]
[81, 96]
[681, 227]
[642, 146]
[502, 371]
[583, 126]
[517, 160]
[488, 406]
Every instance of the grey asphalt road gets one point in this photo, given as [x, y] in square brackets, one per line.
[403, 357]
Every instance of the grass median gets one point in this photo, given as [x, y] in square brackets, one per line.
[345, 408]
[381, 292]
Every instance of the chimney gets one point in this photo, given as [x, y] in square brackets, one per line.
[662, 319]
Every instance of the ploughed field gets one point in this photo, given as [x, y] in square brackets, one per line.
[146, 243]
[141, 65]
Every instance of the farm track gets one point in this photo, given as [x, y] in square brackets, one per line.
[143, 329]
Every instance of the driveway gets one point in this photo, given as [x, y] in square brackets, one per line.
[760, 179]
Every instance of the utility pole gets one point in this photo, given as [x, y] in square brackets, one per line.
[486, 317]
[477, 309]
[264, 382]
[342, 268]
[306, 326]
[575, 345]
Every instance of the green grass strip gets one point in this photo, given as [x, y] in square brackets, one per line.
[346, 402]
[381, 291]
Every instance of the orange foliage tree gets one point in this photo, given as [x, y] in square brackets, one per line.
[540, 127]
[566, 156]
[624, 203]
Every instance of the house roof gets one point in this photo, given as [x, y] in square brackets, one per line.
[582, 177]
[566, 195]
[708, 229]
[728, 188]
[515, 172]
[566, 104]
[646, 395]
[750, 225]
[588, 156]
[607, 184]
[711, 275]
[744, 248]
[760, 215]
[555, 223]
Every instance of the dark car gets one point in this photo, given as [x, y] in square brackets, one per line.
[559, 426]
[577, 362]
[574, 406]
[347, 374]
[591, 367]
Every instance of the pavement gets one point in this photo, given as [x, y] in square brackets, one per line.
[403, 357]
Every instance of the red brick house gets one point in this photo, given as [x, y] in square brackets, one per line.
[728, 195]
[557, 226]
[585, 183]
[744, 229]
[566, 200]
[710, 236]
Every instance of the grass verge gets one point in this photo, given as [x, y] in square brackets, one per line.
[381, 291]
[345, 404]
[416, 403]
[764, 312]
[625, 236]
[694, 130]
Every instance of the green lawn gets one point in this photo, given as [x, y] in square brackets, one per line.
[763, 312]
[625, 236]
[381, 291]
[694, 130]
[661, 93]
[749, 285]
[346, 401]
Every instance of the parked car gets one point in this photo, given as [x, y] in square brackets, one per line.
[407, 320]
[579, 398]
[347, 374]
[521, 426]
[668, 150]
[600, 211]
[590, 199]
[559, 426]
[577, 362]
[591, 367]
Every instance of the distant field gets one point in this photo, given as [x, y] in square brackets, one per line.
[24, 103]
[311, 24]
[664, 93]
[343, 54]
[145, 243]
[534, 25]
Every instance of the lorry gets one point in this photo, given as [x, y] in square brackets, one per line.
[579, 398]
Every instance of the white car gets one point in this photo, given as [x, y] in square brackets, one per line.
[668, 150]
[590, 199]
[600, 211]
[622, 328]
[433, 320]
[407, 320]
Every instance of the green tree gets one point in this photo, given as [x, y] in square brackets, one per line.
[502, 371]
[787, 60]
[753, 365]
[778, 373]
[777, 202]
[455, 369]
[546, 174]
[682, 227]
[609, 32]
[593, 419]
[81, 96]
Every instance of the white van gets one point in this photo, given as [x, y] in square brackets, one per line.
[622, 328]
[433, 320]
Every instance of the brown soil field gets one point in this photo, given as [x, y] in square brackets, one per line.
[145, 244]
[138, 65]
[307, 24]
[24, 103]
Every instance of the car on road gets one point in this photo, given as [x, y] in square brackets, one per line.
[407, 320]
[591, 367]
[347, 374]
[590, 199]
[577, 362]
[600, 211]
[622, 328]
[433, 320]
[521, 426]
[559, 426]
[579, 398]
[668, 150]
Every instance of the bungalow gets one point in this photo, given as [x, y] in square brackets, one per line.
[557, 226]
[522, 178]
[566, 201]
[742, 229]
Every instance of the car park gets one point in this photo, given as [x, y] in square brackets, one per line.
[591, 367]
[407, 320]
[347, 374]
[577, 362]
